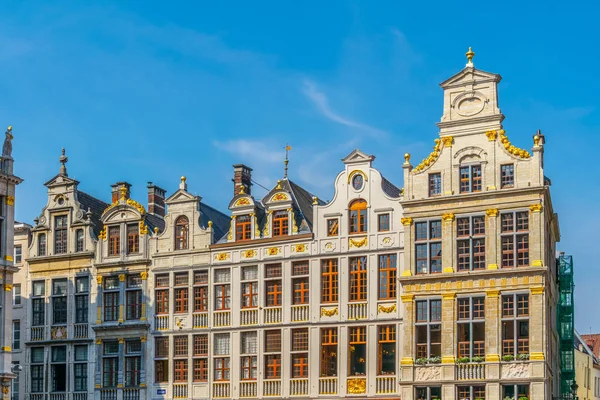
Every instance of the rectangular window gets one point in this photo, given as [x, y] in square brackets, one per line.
[428, 247]
[110, 364]
[60, 234]
[383, 222]
[387, 277]
[133, 363]
[249, 360]
[18, 254]
[329, 281]
[181, 279]
[333, 225]
[133, 239]
[280, 223]
[515, 324]
[386, 352]
[471, 392]
[300, 282]
[16, 335]
[357, 349]
[471, 327]
[181, 300]
[428, 393]
[222, 297]
[250, 287]
[470, 178]
[221, 344]
[162, 281]
[161, 368]
[17, 294]
[59, 301]
[82, 300]
[180, 369]
[15, 383]
[38, 312]
[273, 286]
[358, 279]
[329, 350]
[273, 341]
[222, 370]
[162, 301]
[111, 306]
[37, 369]
[515, 392]
[79, 241]
[300, 353]
[161, 347]
[515, 239]
[201, 291]
[114, 240]
[243, 227]
[435, 184]
[273, 359]
[133, 297]
[201, 345]
[180, 346]
[428, 328]
[200, 369]
[507, 176]
[470, 243]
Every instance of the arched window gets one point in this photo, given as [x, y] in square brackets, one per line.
[79, 240]
[181, 233]
[42, 244]
[243, 228]
[358, 216]
[280, 223]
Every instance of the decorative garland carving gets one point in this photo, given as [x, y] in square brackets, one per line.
[358, 243]
[389, 309]
[515, 151]
[143, 228]
[102, 234]
[249, 254]
[267, 223]
[300, 248]
[273, 251]
[230, 233]
[280, 197]
[357, 386]
[222, 256]
[329, 312]
[243, 201]
[491, 135]
[431, 158]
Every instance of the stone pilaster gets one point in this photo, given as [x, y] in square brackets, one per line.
[121, 374]
[537, 322]
[448, 229]
[143, 378]
[121, 297]
[145, 298]
[536, 235]
[491, 246]
[448, 327]
[408, 246]
[98, 374]
[408, 349]
[99, 300]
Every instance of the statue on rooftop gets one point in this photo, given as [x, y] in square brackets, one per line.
[7, 148]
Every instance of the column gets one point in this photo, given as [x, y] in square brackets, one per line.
[448, 325]
[492, 337]
[143, 339]
[372, 362]
[537, 328]
[408, 347]
[447, 181]
[408, 246]
[145, 297]
[99, 299]
[536, 235]
[448, 242]
[492, 238]
[99, 366]
[121, 364]
[121, 296]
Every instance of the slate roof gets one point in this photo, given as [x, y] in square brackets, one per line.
[220, 221]
[301, 200]
[389, 188]
[95, 205]
[153, 221]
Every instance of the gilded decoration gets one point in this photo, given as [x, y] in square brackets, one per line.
[537, 263]
[536, 208]
[448, 360]
[137, 205]
[325, 312]
[536, 141]
[407, 361]
[99, 280]
[357, 386]
[407, 298]
[300, 248]
[143, 339]
[491, 135]
[386, 310]
[279, 197]
[315, 201]
[491, 212]
[406, 221]
[122, 278]
[144, 275]
[406, 158]
[293, 221]
[59, 332]
[10, 200]
[156, 229]
[515, 151]
[143, 228]
[8, 257]
[267, 224]
[273, 251]
[447, 140]
[537, 356]
[6, 348]
[448, 217]
[358, 243]
[8, 287]
[222, 256]
[492, 357]
[230, 233]
[431, 158]
[102, 234]
[488, 283]
[243, 201]
[98, 341]
[537, 290]
[356, 171]
[249, 254]
[121, 340]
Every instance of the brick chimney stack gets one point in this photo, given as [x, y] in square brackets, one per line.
[116, 190]
[156, 200]
[242, 177]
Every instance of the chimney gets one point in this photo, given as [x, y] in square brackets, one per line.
[242, 177]
[116, 190]
[156, 200]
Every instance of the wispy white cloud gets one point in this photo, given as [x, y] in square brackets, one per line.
[321, 102]
[251, 149]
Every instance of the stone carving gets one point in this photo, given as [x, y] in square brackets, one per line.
[432, 373]
[515, 370]
[7, 148]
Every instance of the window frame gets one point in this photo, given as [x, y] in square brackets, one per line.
[428, 242]
[467, 182]
[133, 238]
[358, 221]
[114, 240]
[281, 223]
[42, 245]
[330, 281]
[507, 181]
[243, 227]
[387, 272]
[383, 222]
[516, 319]
[358, 279]
[510, 257]
[61, 235]
[79, 241]
[300, 283]
[182, 226]
[476, 348]
[430, 324]
[329, 338]
[333, 227]
[473, 240]
[435, 188]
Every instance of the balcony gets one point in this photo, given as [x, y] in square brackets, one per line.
[248, 389]
[221, 318]
[470, 371]
[221, 390]
[38, 333]
[273, 315]
[80, 331]
[161, 322]
[108, 394]
[272, 388]
[385, 384]
[82, 396]
[300, 313]
[299, 387]
[180, 391]
[200, 320]
[131, 394]
[249, 317]
[328, 385]
[357, 311]
[61, 396]
[58, 396]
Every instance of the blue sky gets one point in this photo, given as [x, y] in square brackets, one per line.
[150, 91]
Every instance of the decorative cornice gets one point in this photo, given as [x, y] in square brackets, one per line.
[491, 212]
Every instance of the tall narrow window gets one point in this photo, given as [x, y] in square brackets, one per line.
[471, 327]
[17, 294]
[38, 303]
[273, 285]
[515, 239]
[248, 360]
[58, 368]
[273, 354]
[18, 254]
[133, 363]
[357, 348]
[358, 279]
[329, 281]
[15, 383]
[471, 392]
[386, 352]
[515, 392]
[161, 356]
[60, 234]
[300, 353]
[181, 292]
[111, 298]
[133, 239]
[114, 240]
[201, 291]
[222, 290]
[80, 368]
[329, 350]
[428, 247]
[16, 335]
[250, 287]
[200, 358]
[515, 324]
[507, 176]
[428, 393]
[37, 369]
[243, 227]
[470, 243]
[383, 222]
[59, 301]
[161, 293]
[435, 184]
[221, 362]
[82, 299]
[333, 226]
[300, 282]
[42, 244]
[280, 223]
[428, 324]
[470, 178]
[358, 216]
[387, 277]
[181, 233]
[79, 242]
[110, 364]
[180, 354]
[133, 297]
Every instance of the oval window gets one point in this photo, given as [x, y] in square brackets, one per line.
[357, 182]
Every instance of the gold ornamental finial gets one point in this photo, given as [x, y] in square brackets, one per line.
[183, 179]
[406, 158]
[315, 200]
[278, 185]
[9, 128]
[123, 192]
[470, 54]
[156, 230]
[286, 161]
[242, 190]
[536, 140]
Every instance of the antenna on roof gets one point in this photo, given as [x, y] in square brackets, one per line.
[285, 163]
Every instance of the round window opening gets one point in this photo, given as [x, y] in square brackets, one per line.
[357, 182]
[61, 201]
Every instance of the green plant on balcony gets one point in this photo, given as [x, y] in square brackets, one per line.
[522, 357]
[478, 359]
[463, 360]
[523, 398]
[434, 360]
[421, 361]
[508, 357]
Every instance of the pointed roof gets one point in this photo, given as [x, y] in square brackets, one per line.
[357, 156]
[470, 75]
[62, 178]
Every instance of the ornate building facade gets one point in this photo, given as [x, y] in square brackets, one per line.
[445, 289]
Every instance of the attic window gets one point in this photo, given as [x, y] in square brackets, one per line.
[243, 229]
[358, 216]
[280, 223]
[357, 182]
[181, 233]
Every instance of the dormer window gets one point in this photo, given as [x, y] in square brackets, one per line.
[280, 223]
[42, 244]
[470, 178]
[181, 233]
[114, 240]
[358, 216]
[133, 239]
[60, 234]
[357, 182]
[243, 229]
[79, 243]
[507, 176]
[332, 227]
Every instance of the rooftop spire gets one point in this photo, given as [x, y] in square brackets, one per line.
[63, 160]
[285, 163]
[470, 54]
